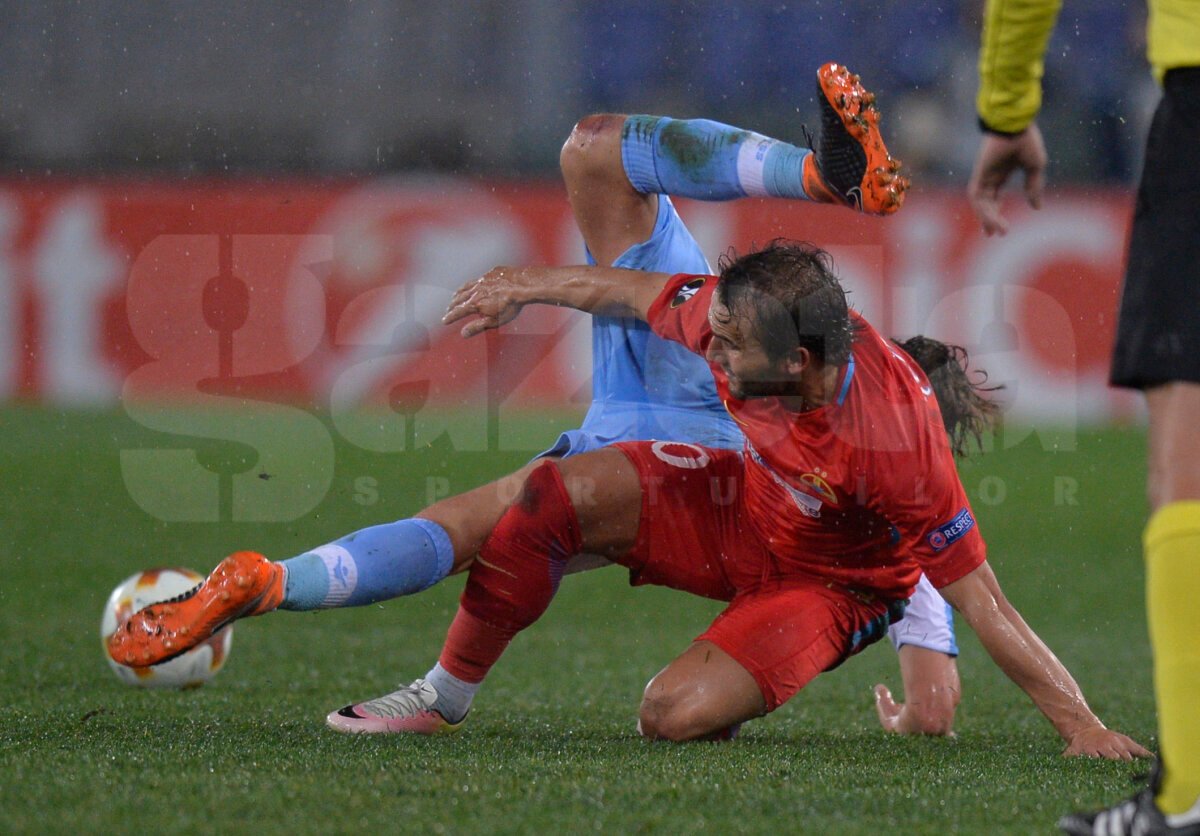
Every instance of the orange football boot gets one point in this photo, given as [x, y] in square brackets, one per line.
[850, 165]
[243, 584]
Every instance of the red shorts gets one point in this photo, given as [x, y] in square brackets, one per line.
[693, 536]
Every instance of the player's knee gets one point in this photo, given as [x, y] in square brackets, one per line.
[579, 486]
[660, 720]
[672, 713]
[541, 514]
[583, 154]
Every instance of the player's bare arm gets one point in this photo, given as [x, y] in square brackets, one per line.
[1028, 662]
[931, 694]
[498, 296]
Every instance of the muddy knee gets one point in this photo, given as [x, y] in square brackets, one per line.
[589, 148]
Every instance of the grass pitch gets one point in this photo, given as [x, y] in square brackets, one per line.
[550, 745]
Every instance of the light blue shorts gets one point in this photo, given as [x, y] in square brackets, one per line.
[928, 622]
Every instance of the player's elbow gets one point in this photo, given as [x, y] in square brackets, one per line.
[591, 148]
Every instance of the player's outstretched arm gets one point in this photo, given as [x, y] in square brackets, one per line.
[498, 296]
[1028, 662]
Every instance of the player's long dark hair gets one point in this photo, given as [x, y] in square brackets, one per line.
[966, 410]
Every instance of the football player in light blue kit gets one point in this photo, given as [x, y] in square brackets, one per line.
[645, 387]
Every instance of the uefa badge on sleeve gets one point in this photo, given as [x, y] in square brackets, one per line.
[944, 535]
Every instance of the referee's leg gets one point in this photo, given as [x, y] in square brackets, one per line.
[1172, 550]
[1158, 352]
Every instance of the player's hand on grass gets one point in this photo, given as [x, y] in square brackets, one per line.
[901, 718]
[495, 299]
[1099, 742]
[887, 709]
[998, 157]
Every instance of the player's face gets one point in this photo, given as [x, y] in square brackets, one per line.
[734, 347]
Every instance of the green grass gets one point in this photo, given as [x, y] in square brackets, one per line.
[551, 743]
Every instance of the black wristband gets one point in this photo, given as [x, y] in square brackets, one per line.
[988, 129]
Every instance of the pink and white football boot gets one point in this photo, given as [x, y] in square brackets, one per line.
[406, 711]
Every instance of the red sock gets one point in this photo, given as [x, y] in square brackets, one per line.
[472, 647]
[515, 576]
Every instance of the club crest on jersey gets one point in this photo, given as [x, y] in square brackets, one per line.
[687, 292]
[944, 535]
[817, 482]
[808, 504]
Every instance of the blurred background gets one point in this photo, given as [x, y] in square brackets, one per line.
[492, 87]
[254, 205]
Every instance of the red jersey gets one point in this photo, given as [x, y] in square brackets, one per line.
[862, 491]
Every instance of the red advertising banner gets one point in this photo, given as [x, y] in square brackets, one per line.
[331, 293]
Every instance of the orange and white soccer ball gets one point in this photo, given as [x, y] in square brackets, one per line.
[192, 669]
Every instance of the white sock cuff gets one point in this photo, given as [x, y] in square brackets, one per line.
[343, 573]
[751, 163]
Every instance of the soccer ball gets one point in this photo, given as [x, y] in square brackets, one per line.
[190, 670]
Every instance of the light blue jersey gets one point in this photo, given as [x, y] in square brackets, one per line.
[645, 387]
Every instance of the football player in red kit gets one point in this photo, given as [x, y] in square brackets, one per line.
[815, 533]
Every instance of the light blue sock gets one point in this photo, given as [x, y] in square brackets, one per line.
[707, 160]
[374, 564]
